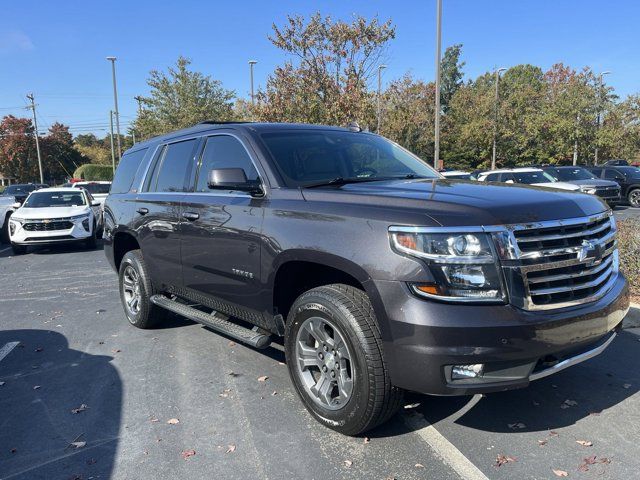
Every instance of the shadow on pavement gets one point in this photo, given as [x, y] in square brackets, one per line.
[44, 381]
[547, 404]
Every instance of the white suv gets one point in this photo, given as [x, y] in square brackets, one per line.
[99, 190]
[55, 215]
[527, 176]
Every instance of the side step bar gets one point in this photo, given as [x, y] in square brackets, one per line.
[216, 321]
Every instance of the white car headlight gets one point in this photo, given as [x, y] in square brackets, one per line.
[464, 265]
[589, 190]
[80, 217]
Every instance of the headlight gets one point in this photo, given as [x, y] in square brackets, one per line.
[464, 265]
[80, 217]
[590, 190]
[13, 218]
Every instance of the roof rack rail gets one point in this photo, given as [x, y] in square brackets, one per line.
[215, 122]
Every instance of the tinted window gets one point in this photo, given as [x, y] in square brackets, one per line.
[596, 171]
[224, 151]
[610, 174]
[569, 174]
[174, 167]
[531, 178]
[507, 177]
[492, 177]
[126, 171]
[95, 188]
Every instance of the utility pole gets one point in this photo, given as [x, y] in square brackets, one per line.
[115, 101]
[251, 64]
[436, 147]
[35, 125]
[380, 68]
[113, 153]
[602, 74]
[495, 119]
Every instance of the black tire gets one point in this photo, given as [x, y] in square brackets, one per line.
[92, 242]
[634, 197]
[373, 400]
[18, 249]
[147, 314]
[4, 232]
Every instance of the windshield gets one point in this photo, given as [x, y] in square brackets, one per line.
[533, 177]
[630, 171]
[19, 189]
[568, 174]
[96, 188]
[55, 199]
[308, 157]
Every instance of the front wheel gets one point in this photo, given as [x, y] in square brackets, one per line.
[634, 197]
[18, 249]
[136, 290]
[334, 356]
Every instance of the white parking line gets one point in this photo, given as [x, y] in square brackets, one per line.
[6, 350]
[443, 448]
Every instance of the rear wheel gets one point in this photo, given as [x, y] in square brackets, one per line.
[334, 355]
[4, 232]
[634, 197]
[18, 249]
[92, 242]
[136, 290]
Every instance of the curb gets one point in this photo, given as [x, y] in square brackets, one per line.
[632, 320]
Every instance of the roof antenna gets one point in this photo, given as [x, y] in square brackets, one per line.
[354, 127]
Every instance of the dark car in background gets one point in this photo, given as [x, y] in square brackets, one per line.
[20, 191]
[627, 177]
[608, 190]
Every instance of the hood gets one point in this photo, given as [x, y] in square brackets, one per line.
[461, 202]
[594, 182]
[559, 185]
[50, 212]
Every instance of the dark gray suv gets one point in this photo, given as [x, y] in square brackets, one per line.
[381, 275]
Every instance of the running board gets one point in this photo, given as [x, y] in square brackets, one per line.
[216, 321]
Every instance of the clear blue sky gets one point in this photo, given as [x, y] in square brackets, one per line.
[57, 49]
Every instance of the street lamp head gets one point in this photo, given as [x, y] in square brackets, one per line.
[111, 59]
[252, 62]
[606, 72]
[381, 67]
[501, 69]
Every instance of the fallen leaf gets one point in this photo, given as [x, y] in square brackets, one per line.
[605, 460]
[1, 384]
[173, 421]
[568, 403]
[584, 466]
[81, 408]
[516, 426]
[263, 378]
[411, 405]
[560, 473]
[188, 453]
[542, 443]
[553, 433]
[77, 444]
[366, 440]
[36, 387]
[274, 393]
[626, 385]
[153, 420]
[231, 448]
[584, 443]
[39, 349]
[419, 465]
[348, 463]
[232, 344]
[116, 350]
[502, 459]
[225, 393]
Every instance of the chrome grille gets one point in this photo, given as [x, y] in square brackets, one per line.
[46, 226]
[566, 262]
[608, 192]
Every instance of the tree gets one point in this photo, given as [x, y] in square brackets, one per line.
[451, 75]
[60, 158]
[17, 149]
[180, 99]
[332, 65]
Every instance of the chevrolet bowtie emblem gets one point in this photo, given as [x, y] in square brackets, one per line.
[590, 249]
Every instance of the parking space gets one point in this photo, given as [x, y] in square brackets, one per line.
[85, 395]
[625, 212]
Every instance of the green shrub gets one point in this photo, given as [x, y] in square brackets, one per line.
[90, 171]
[629, 242]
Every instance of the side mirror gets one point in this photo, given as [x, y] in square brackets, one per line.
[231, 179]
[95, 203]
[16, 205]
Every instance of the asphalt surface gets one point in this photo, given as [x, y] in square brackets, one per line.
[625, 212]
[77, 353]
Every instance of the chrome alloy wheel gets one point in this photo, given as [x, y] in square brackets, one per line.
[132, 290]
[634, 198]
[324, 363]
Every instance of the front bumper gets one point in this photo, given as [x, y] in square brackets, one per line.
[423, 339]
[25, 237]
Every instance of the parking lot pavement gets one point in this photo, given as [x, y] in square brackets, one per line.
[76, 353]
[625, 212]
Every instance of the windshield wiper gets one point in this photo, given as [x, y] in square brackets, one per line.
[345, 181]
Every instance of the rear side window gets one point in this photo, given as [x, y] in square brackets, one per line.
[126, 171]
[224, 151]
[492, 177]
[171, 172]
[596, 171]
[611, 174]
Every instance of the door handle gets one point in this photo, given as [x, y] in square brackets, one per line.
[143, 211]
[191, 216]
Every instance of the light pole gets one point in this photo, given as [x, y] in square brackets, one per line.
[495, 119]
[251, 64]
[115, 102]
[35, 126]
[380, 68]
[436, 147]
[600, 85]
[113, 154]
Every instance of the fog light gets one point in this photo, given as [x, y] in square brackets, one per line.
[467, 371]
[85, 224]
